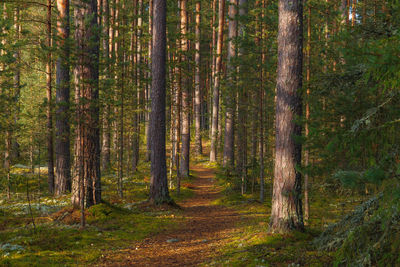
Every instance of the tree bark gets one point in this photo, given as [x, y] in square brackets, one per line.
[197, 97]
[106, 144]
[306, 129]
[286, 213]
[215, 99]
[62, 144]
[87, 153]
[50, 150]
[158, 182]
[147, 129]
[242, 111]
[184, 166]
[229, 141]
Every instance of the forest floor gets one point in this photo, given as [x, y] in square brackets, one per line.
[207, 228]
[223, 228]
[214, 226]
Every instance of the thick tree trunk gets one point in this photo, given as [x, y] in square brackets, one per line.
[49, 76]
[229, 159]
[62, 144]
[184, 166]
[215, 99]
[158, 182]
[197, 93]
[87, 153]
[286, 213]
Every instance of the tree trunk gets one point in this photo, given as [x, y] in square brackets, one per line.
[50, 152]
[197, 97]
[353, 12]
[306, 152]
[184, 168]
[158, 182]
[147, 129]
[121, 84]
[215, 99]
[87, 153]
[106, 144]
[242, 111]
[229, 98]
[286, 213]
[62, 145]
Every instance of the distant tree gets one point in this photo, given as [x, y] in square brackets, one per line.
[229, 94]
[216, 83]
[197, 93]
[86, 185]
[49, 79]
[185, 157]
[62, 144]
[106, 134]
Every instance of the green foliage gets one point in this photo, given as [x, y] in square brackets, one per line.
[369, 235]
[354, 179]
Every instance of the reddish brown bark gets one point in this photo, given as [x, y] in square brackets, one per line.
[86, 183]
[215, 99]
[158, 182]
[286, 213]
[62, 144]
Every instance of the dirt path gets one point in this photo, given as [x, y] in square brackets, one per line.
[206, 229]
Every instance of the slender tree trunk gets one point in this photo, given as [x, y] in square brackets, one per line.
[229, 159]
[7, 162]
[242, 109]
[147, 129]
[50, 152]
[215, 99]
[343, 8]
[62, 144]
[121, 84]
[158, 182]
[106, 144]
[306, 152]
[261, 101]
[353, 12]
[134, 74]
[197, 97]
[184, 168]
[213, 53]
[178, 103]
[8, 140]
[17, 84]
[286, 213]
[87, 153]
[116, 96]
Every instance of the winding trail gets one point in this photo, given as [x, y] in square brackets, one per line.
[206, 229]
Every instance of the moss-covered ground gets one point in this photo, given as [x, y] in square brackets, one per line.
[45, 231]
[252, 245]
[116, 224]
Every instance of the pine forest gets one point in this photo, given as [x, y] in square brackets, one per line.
[199, 133]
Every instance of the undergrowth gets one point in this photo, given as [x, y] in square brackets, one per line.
[57, 238]
[251, 243]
